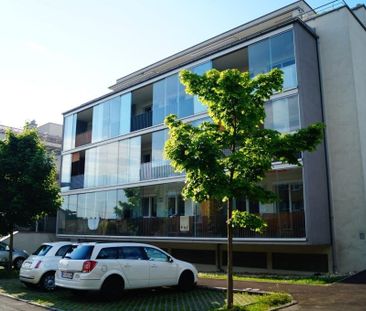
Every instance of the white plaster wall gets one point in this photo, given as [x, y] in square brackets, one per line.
[342, 50]
[30, 241]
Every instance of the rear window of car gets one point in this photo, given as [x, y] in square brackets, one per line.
[81, 252]
[132, 252]
[42, 250]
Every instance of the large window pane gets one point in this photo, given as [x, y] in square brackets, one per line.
[274, 52]
[159, 102]
[283, 57]
[283, 114]
[125, 114]
[69, 132]
[259, 57]
[200, 70]
[66, 172]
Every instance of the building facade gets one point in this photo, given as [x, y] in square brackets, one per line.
[117, 185]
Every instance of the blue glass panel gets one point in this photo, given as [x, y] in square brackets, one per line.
[125, 114]
[259, 58]
[69, 132]
[200, 70]
[158, 102]
[274, 52]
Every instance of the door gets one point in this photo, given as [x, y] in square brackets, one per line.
[163, 271]
[135, 266]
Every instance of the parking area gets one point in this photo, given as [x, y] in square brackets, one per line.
[145, 299]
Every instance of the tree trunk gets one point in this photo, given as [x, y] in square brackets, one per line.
[230, 297]
[10, 259]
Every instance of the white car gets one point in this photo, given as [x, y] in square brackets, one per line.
[113, 267]
[39, 268]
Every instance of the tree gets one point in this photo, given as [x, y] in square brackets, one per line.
[28, 187]
[228, 158]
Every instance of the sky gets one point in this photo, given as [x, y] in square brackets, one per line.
[58, 54]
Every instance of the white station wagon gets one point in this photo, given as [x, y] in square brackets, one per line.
[112, 267]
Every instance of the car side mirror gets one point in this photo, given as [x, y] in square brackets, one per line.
[7, 248]
[170, 259]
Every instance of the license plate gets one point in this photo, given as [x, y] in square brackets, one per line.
[67, 275]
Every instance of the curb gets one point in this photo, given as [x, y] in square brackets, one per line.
[30, 302]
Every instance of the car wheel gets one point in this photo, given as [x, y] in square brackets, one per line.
[47, 282]
[112, 287]
[18, 263]
[186, 281]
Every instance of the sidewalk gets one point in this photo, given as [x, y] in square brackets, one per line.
[11, 304]
[335, 297]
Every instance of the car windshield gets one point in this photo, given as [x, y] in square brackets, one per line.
[42, 250]
[81, 252]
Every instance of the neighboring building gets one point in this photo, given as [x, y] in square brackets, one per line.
[117, 186]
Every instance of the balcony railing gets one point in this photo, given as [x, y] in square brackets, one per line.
[156, 169]
[141, 121]
[280, 225]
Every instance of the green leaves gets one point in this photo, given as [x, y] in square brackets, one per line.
[247, 220]
[230, 157]
[28, 187]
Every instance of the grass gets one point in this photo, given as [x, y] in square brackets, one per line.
[5, 274]
[264, 303]
[161, 299]
[289, 279]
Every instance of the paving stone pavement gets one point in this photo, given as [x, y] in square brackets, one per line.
[10, 304]
[335, 297]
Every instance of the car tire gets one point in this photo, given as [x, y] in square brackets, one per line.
[17, 263]
[112, 287]
[47, 282]
[186, 281]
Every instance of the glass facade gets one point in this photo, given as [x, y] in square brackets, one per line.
[274, 52]
[160, 211]
[283, 114]
[112, 118]
[169, 97]
[69, 132]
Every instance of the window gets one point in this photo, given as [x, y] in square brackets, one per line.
[42, 250]
[63, 250]
[149, 207]
[69, 132]
[108, 253]
[112, 118]
[156, 255]
[82, 252]
[175, 205]
[169, 96]
[283, 114]
[274, 52]
[243, 204]
[133, 252]
[290, 197]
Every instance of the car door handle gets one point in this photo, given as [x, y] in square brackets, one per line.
[127, 266]
[154, 266]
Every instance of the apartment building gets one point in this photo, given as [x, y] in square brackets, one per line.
[117, 185]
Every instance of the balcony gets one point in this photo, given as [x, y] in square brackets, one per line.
[156, 169]
[280, 225]
[141, 121]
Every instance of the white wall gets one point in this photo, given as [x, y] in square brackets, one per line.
[342, 50]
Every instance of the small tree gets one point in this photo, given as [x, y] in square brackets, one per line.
[228, 158]
[28, 187]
